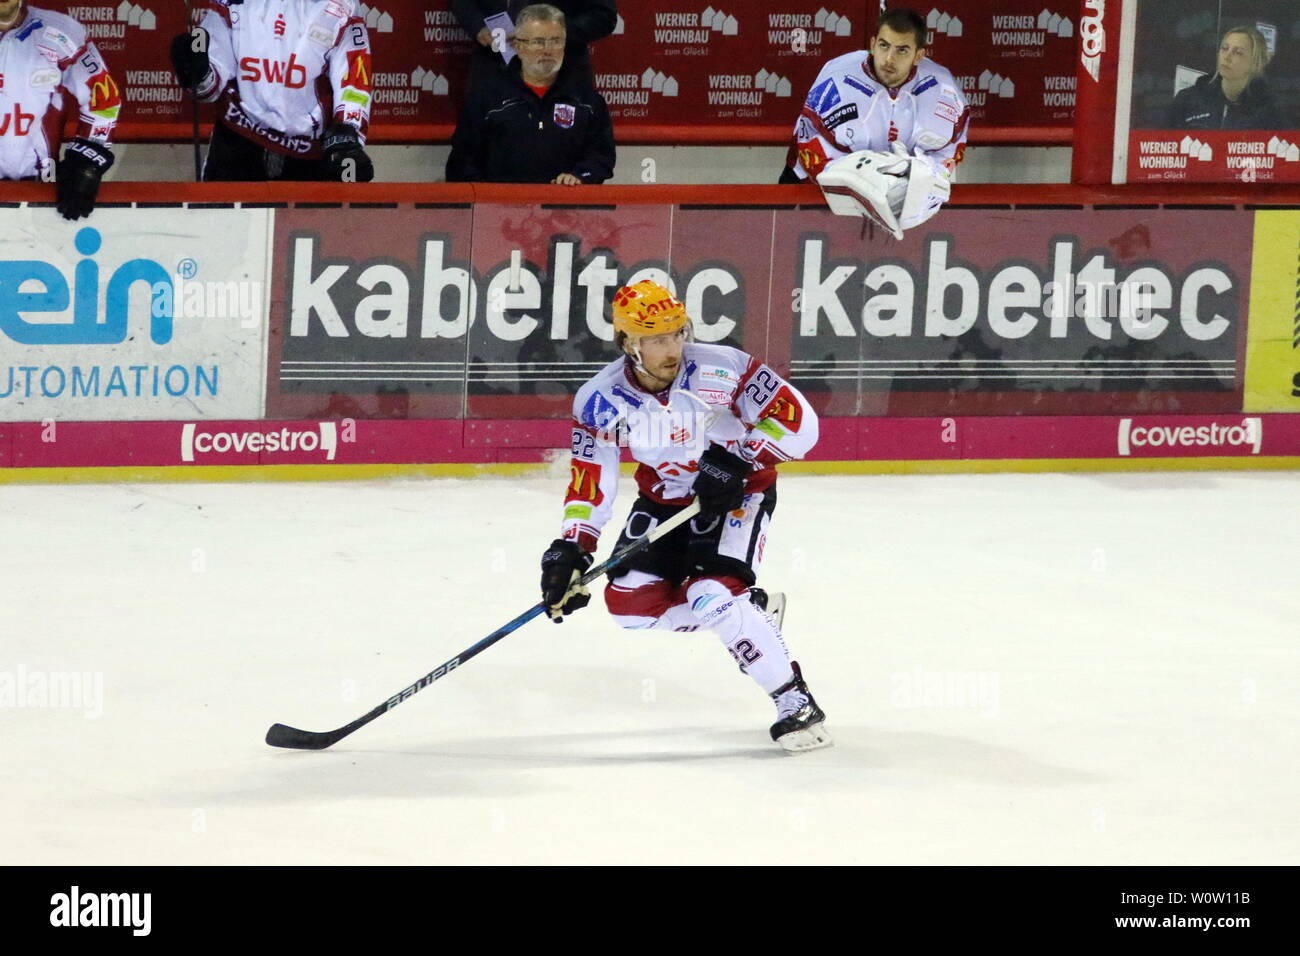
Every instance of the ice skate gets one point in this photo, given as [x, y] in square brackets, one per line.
[799, 724]
[773, 604]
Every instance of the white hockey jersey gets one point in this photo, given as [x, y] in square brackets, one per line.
[848, 109]
[721, 396]
[284, 70]
[47, 65]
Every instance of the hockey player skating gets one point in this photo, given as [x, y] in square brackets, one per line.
[882, 130]
[292, 83]
[706, 422]
[43, 55]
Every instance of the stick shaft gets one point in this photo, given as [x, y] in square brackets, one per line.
[194, 103]
[281, 735]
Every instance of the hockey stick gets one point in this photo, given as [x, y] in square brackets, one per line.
[290, 737]
[194, 103]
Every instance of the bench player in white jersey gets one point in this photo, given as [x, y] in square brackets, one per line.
[706, 422]
[46, 63]
[292, 81]
[882, 130]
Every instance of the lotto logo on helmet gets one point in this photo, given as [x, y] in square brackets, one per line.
[1135, 439]
[197, 444]
[1093, 37]
[647, 308]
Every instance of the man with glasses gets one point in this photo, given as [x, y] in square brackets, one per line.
[535, 120]
[586, 21]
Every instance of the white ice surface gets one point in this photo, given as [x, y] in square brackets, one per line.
[1130, 643]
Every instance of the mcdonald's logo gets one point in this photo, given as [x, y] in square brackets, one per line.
[105, 97]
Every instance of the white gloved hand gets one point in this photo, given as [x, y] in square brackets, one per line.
[929, 185]
[867, 183]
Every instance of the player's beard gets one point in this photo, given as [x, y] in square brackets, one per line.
[665, 374]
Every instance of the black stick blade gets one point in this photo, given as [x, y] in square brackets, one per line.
[292, 738]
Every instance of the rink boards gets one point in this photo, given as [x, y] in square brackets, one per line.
[290, 340]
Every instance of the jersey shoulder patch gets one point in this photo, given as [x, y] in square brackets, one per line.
[598, 412]
[824, 96]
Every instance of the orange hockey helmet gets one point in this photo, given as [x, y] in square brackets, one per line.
[647, 308]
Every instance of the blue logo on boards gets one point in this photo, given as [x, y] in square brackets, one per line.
[86, 327]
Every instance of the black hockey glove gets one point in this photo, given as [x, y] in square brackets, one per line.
[77, 175]
[562, 565]
[720, 484]
[190, 65]
[343, 152]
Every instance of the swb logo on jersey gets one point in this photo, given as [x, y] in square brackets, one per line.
[16, 122]
[564, 115]
[292, 75]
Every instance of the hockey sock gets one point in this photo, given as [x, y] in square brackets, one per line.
[747, 632]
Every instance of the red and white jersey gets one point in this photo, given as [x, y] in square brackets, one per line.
[721, 396]
[46, 66]
[284, 70]
[848, 109]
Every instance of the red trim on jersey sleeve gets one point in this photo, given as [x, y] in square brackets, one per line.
[753, 366]
[343, 29]
[587, 537]
[819, 125]
[81, 51]
[957, 129]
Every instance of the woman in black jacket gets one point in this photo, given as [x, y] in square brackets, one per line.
[1235, 97]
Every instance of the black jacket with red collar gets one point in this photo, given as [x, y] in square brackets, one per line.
[509, 134]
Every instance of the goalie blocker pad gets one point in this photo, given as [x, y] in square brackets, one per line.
[893, 189]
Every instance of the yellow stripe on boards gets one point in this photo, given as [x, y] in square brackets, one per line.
[229, 473]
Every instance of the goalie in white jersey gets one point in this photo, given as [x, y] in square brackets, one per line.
[882, 130]
[703, 421]
[292, 81]
[48, 66]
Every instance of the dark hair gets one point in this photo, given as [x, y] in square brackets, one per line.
[903, 20]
